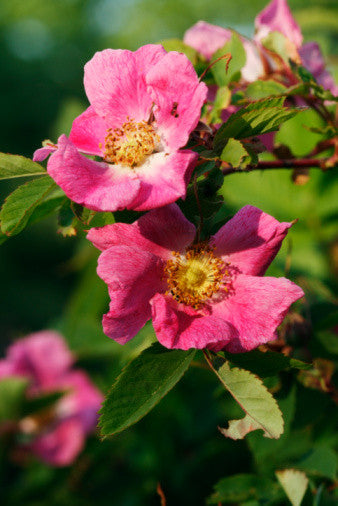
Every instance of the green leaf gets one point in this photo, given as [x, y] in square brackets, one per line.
[265, 364]
[222, 101]
[41, 402]
[181, 47]
[12, 394]
[294, 484]
[238, 58]
[279, 44]
[257, 118]
[12, 166]
[243, 487]
[233, 152]
[262, 411]
[19, 205]
[320, 461]
[141, 385]
[262, 89]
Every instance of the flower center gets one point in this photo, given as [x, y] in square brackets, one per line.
[195, 277]
[130, 144]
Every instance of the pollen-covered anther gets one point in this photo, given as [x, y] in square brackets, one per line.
[195, 277]
[130, 144]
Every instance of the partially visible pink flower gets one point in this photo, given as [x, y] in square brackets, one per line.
[144, 105]
[48, 147]
[208, 295]
[313, 60]
[277, 17]
[44, 359]
[207, 39]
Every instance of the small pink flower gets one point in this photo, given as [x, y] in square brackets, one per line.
[207, 39]
[277, 17]
[144, 105]
[208, 295]
[58, 435]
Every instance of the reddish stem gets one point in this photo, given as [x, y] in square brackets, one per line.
[318, 163]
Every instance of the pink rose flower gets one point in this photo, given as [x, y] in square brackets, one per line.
[58, 434]
[277, 17]
[208, 295]
[144, 105]
[207, 39]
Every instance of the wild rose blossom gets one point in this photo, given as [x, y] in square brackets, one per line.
[277, 16]
[57, 433]
[144, 105]
[199, 295]
[207, 39]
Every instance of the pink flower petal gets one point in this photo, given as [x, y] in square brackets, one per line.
[250, 240]
[159, 232]
[124, 328]
[83, 400]
[88, 132]
[61, 446]
[206, 38]
[133, 277]
[313, 60]
[115, 86]
[176, 329]
[178, 95]
[98, 186]
[277, 17]
[42, 153]
[256, 308]
[42, 357]
[253, 68]
[164, 179]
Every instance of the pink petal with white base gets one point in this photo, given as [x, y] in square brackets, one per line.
[159, 232]
[176, 329]
[60, 446]
[115, 86]
[206, 38]
[88, 132]
[250, 240]
[163, 178]
[178, 96]
[277, 17]
[98, 186]
[255, 309]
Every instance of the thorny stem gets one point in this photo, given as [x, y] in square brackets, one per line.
[315, 163]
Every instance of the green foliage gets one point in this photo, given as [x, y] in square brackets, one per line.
[14, 166]
[265, 364]
[12, 393]
[294, 484]
[262, 411]
[178, 45]
[141, 385]
[262, 89]
[257, 118]
[224, 73]
[244, 487]
[279, 44]
[29, 201]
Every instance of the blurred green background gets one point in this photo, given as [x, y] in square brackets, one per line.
[50, 281]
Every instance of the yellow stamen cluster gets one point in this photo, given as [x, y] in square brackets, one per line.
[195, 277]
[130, 144]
